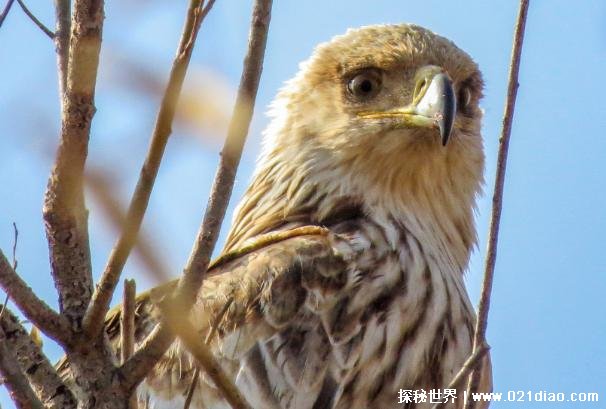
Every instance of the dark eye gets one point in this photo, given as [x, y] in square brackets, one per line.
[464, 99]
[365, 84]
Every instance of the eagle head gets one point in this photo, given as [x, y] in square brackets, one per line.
[386, 116]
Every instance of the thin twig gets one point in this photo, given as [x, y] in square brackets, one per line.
[127, 327]
[4, 304]
[198, 262]
[15, 263]
[199, 16]
[20, 390]
[15, 240]
[93, 320]
[35, 309]
[63, 10]
[497, 198]
[37, 22]
[470, 364]
[192, 388]
[215, 325]
[6, 10]
[209, 363]
[207, 341]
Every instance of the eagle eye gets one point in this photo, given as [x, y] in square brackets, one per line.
[365, 84]
[464, 97]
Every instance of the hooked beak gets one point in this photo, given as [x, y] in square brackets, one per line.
[434, 104]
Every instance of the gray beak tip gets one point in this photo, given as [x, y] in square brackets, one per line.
[447, 107]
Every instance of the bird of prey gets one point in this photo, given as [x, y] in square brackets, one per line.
[369, 175]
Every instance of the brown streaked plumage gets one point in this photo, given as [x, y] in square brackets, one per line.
[377, 138]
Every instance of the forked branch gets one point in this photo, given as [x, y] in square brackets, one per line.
[36, 310]
[5, 11]
[470, 364]
[198, 262]
[19, 353]
[95, 314]
[18, 386]
[231, 153]
[40, 373]
[35, 20]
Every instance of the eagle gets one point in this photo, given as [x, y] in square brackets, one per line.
[341, 282]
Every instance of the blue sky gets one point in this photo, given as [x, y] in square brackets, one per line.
[547, 323]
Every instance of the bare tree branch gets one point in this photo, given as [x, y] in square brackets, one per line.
[18, 386]
[6, 10]
[36, 310]
[93, 321]
[127, 327]
[34, 364]
[65, 215]
[127, 320]
[198, 262]
[37, 22]
[63, 11]
[497, 198]
[223, 183]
